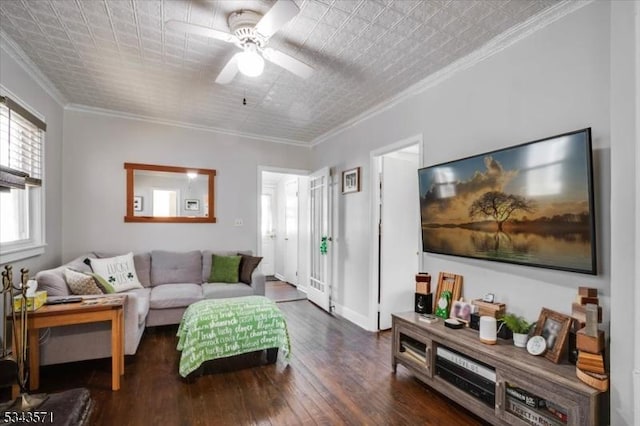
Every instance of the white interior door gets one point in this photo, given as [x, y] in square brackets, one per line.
[319, 290]
[268, 232]
[399, 242]
[291, 231]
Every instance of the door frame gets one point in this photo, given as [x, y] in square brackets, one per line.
[298, 172]
[374, 214]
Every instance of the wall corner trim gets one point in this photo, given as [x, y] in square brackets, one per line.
[23, 60]
[174, 123]
[495, 45]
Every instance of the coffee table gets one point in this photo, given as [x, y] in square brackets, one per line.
[90, 310]
[220, 328]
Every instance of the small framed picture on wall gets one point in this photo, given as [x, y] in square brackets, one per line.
[192, 205]
[351, 180]
[137, 203]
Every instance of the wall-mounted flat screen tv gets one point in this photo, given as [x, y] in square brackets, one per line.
[530, 204]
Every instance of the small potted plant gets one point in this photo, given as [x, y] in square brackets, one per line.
[520, 328]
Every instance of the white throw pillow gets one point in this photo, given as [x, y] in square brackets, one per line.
[119, 271]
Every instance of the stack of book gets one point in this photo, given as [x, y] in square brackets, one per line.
[533, 409]
[414, 350]
[590, 367]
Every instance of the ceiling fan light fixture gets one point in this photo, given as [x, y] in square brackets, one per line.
[250, 63]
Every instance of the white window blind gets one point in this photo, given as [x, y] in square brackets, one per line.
[21, 136]
[21, 192]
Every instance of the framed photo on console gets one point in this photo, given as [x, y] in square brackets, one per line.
[554, 327]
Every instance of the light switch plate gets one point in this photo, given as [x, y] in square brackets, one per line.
[238, 222]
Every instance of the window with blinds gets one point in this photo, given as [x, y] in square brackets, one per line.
[21, 173]
[21, 136]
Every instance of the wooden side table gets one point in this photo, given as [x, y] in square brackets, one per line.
[88, 311]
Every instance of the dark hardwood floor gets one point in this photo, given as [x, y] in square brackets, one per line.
[337, 374]
[281, 291]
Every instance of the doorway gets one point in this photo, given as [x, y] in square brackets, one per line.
[283, 233]
[396, 254]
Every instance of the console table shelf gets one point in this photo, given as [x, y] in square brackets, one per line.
[416, 343]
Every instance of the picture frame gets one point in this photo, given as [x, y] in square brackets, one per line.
[554, 327]
[461, 311]
[137, 203]
[351, 180]
[192, 205]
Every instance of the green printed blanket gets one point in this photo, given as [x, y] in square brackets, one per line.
[220, 328]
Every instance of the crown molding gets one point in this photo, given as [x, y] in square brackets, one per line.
[148, 119]
[23, 60]
[493, 46]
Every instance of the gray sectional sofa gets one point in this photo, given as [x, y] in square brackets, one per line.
[171, 280]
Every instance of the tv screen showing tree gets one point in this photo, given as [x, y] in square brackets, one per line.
[530, 204]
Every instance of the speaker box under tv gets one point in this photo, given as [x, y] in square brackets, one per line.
[423, 303]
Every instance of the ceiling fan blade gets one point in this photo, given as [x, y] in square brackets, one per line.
[229, 71]
[201, 30]
[281, 13]
[287, 62]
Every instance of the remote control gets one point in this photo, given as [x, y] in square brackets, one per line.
[73, 299]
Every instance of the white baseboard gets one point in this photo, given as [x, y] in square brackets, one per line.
[279, 276]
[358, 319]
[636, 393]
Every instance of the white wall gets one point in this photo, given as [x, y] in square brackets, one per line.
[625, 212]
[96, 147]
[18, 82]
[556, 80]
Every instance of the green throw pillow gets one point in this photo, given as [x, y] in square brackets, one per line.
[224, 269]
[103, 284]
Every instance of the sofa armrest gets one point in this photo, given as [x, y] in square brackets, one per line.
[132, 306]
[257, 282]
[52, 280]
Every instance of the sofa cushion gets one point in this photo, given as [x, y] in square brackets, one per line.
[248, 264]
[81, 283]
[141, 262]
[119, 271]
[225, 269]
[175, 267]
[224, 290]
[174, 295]
[104, 285]
[207, 256]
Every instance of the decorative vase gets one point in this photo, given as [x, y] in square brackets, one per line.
[520, 340]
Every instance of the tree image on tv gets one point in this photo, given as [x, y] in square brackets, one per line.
[529, 204]
[500, 206]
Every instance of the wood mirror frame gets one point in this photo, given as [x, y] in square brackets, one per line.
[130, 215]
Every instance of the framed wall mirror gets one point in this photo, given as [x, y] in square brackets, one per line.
[169, 194]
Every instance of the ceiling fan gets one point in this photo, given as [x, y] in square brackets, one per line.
[250, 31]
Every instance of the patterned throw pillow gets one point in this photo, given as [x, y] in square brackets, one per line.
[80, 283]
[102, 284]
[224, 269]
[119, 271]
[248, 264]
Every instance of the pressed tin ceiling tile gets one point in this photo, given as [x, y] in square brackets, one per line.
[117, 55]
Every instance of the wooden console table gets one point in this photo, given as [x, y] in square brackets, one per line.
[415, 346]
[89, 311]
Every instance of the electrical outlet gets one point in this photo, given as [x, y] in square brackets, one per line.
[238, 222]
